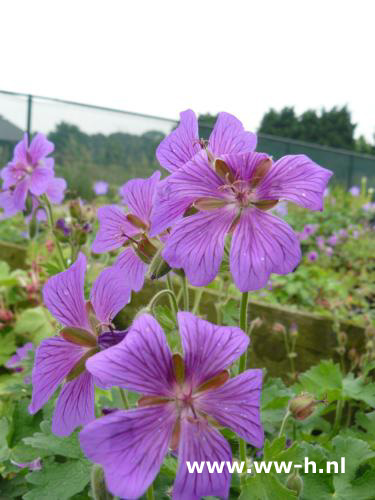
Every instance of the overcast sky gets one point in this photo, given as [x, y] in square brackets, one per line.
[160, 57]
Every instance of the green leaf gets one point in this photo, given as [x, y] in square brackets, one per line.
[54, 445]
[323, 380]
[7, 347]
[275, 399]
[58, 481]
[356, 388]
[34, 324]
[4, 431]
[265, 487]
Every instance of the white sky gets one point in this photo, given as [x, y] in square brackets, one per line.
[160, 57]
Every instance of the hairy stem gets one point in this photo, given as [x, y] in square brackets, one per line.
[52, 226]
[185, 293]
[124, 399]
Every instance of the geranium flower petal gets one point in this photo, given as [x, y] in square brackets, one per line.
[141, 362]
[196, 244]
[262, 244]
[201, 443]
[132, 268]
[229, 136]
[109, 294]
[63, 295]
[181, 144]
[40, 179]
[75, 405]
[298, 179]
[236, 405]
[20, 194]
[138, 195]
[20, 150]
[197, 179]
[40, 147]
[244, 165]
[54, 359]
[114, 228]
[130, 446]
[208, 348]
[55, 190]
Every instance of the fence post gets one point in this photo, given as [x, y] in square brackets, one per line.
[29, 115]
[350, 171]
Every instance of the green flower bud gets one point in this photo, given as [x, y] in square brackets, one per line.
[302, 406]
[294, 483]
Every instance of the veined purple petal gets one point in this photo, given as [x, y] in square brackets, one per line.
[130, 446]
[40, 179]
[54, 359]
[261, 244]
[20, 150]
[63, 295]
[229, 136]
[22, 353]
[196, 244]
[208, 348]
[114, 229]
[20, 193]
[7, 204]
[236, 405]
[141, 362]
[11, 174]
[40, 147]
[180, 145]
[55, 190]
[201, 443]
[109, 294]
[132, 269]
[244, 165]
[197, 179]
[139, 194]
[75, 405]
[298, 179]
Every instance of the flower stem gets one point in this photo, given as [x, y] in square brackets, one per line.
[243, 326]
[52, 226]
[124, 399]
[172, 298]
[283, 423]
[197, 300]
[185, 293]
[242, 368]
[338, 417]
[150, 493]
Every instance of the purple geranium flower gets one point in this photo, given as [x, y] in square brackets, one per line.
[320, 242]
[232, 196]
[15, 361]
[101, 187]
[183, 401]
[34, 465]
[333, 240]
[228, 136]
[30, 169]
[118, 229]
[312, 256]
[355, 191]
[62, 358]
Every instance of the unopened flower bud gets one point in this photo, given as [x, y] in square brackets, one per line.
[352, 354]
[6, 315]
[279, 328]
[50, 245]
[370, 332]
[293, 330]
[342, 338]
[294, 483]
[75, 209]
[159, 267]
[341, 350]
[302, 406]
[33, 226]
[369, 345]
[256, 323]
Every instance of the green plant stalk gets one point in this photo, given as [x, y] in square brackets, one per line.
[173, 302]
[185, 293]
[283, 423]
[124, 398]
[338, 417]
[172, 298]
[197, 300]
[52, 226]
[242, 368]
[150, 493]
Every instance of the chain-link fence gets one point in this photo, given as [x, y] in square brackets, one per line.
[95, 143]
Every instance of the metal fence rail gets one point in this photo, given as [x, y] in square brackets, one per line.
[94, 142]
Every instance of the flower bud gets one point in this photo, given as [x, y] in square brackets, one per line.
[279, 328]
[294, 483]
[342, 338]
[341, 350]
[293, 330]
[352, 354]
[158, 267]
[33, 226]
[75, 209]
[302, 406]
[370, 332]
[98, 486]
